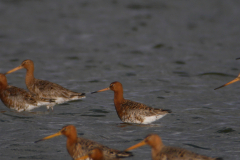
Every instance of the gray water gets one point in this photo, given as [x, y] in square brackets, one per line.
[167, 54]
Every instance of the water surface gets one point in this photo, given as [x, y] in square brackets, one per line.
[167, 54]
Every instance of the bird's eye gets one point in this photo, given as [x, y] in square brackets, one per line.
[147, 139]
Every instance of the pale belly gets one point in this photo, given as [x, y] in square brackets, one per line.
[145, 120]
[60, 100]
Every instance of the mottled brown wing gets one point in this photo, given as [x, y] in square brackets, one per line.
[174, 153]
[142, 108]
[45, 88]
[85, 146]
[17, 97]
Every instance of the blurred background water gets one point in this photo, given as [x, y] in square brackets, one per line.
[167, 54]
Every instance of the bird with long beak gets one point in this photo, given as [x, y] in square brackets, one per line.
[133, 112]
[161, 152]
[18, 98]
[233, 81]
[46, 89]
[78, 146]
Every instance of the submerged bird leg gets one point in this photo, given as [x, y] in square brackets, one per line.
[50, 108]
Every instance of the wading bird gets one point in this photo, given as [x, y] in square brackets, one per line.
[46, 89]
[78, 146]
[161, 152]
[19, 99]
[133, 112]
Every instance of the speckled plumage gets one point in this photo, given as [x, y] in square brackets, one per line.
[78, 146]
[161, 152]
[133, 112]
[46, 89]
[84, 146]
[18, 98]
[95, 154]
[174, 153]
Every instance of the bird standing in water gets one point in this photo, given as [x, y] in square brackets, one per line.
[46, 89]
[18, 98]
[133, 112]
[78, 147]
[161, 152]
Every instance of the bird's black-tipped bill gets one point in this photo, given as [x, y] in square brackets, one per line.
[233, 81]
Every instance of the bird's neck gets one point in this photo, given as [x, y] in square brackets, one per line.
[118, 99]
[3, 85]
[29, 76]
[155, 150]
[71, 144]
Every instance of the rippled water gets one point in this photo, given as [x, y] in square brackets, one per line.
[167, 54]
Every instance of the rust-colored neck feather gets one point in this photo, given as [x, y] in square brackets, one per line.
[118, 99]
[156, 144]
[3, 82]
[29, 79]
[72, 142]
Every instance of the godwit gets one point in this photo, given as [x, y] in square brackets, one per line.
[19, 99]
[161, 152]
[78, 146]
[133, 112]
[46, 89]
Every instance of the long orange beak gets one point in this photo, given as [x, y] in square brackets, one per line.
[15, 69]
[233, 81]
[105, 89]
[142, 143]
[83, 157]
[51, 136]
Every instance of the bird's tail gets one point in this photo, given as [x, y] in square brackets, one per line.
[48, 99]
[78, 95]
[124, 154]
[82, 95]
[167, 110]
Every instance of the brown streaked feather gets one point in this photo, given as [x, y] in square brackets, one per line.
[78, 146]
[19, 99]
[174, 153]
[97, 154]
[84, 146]
[162, 152]
[142, 108]
[130, 111]
[14, 97]
[48, 89]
